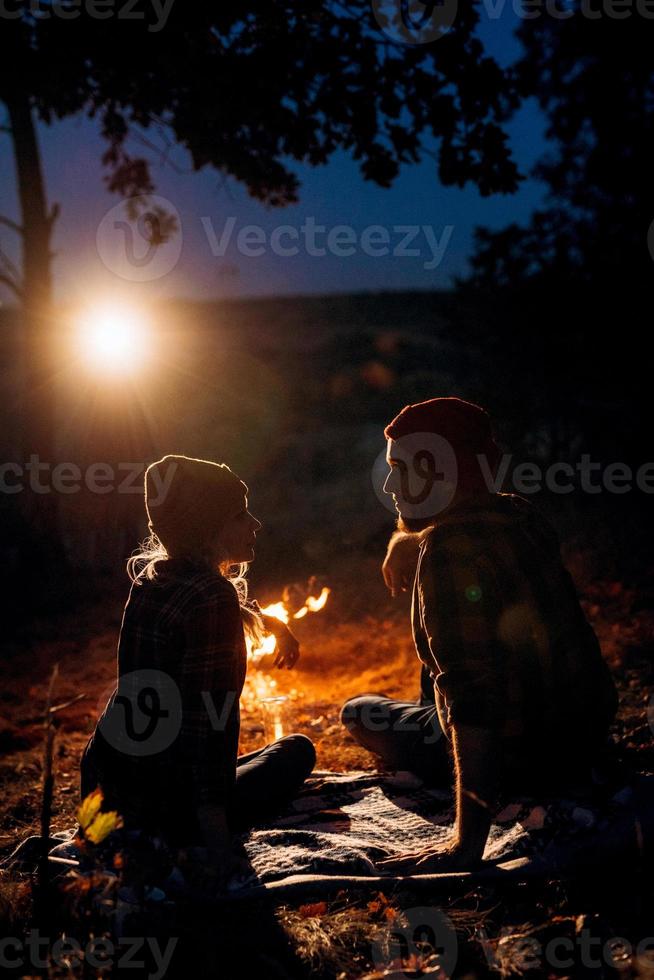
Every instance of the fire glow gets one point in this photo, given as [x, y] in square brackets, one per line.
[260, 686]
[280, 611]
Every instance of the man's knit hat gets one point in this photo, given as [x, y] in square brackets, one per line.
[187, 500]
[464, 425]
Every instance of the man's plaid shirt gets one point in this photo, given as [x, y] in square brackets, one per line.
[497, 621]
[185, 624]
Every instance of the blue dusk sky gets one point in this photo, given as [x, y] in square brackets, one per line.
[335, 194]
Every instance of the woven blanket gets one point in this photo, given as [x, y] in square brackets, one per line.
[342, 823]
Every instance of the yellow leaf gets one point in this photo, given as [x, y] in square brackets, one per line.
[89, 808]
[103, 825]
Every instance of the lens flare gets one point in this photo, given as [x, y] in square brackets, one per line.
[113, 339]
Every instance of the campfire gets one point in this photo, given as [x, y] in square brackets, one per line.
[282, 610]
[260, 695]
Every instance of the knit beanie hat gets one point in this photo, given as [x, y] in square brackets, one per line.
[465, 426]
[187, 500]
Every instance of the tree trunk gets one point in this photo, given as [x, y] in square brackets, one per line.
[37, 312]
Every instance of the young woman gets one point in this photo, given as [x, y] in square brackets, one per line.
[164, 750]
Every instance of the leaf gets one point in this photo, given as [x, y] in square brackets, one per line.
[103, 825]
[89, 808]
[313, 909]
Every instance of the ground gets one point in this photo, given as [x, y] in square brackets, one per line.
[346, 649]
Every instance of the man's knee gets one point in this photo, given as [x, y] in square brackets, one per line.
[366, 713]
[351, 712]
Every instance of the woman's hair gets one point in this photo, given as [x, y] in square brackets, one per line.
[142, 565]
[184, 497]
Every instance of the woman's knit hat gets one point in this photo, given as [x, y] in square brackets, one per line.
[187, 500]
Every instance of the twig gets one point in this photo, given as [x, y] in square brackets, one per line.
[66, 704]
[46, 800]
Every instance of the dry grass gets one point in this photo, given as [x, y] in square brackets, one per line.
[345, 651]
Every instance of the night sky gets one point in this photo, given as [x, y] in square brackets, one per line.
[332, 195]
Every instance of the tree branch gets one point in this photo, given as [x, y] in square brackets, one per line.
[162, 152]
[53, 215]
[10, 267]
[13, 286]
[11, 224]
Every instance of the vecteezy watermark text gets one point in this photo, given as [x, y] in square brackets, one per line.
[100, 953]
[525, 953]
[425, 21]
[424, 477]
[67, 478]
[341, 241]
[94, 9]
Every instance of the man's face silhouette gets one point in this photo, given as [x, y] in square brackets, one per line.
[422, 477]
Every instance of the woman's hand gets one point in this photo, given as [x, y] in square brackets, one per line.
[287, 650]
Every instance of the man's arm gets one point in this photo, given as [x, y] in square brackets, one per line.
[475, 759]
[459, 610]
[399, 565]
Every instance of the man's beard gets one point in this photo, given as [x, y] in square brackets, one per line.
[411, 525]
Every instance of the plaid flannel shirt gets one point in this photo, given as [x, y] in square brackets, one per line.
[497, 621]
[186, 625]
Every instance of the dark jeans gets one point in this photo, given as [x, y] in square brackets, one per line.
[266, 782]
[406, 734]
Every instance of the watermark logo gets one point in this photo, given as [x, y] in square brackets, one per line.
[423, 936]
[415, 21]
[420, 478]
[140, 239]
[144, 715]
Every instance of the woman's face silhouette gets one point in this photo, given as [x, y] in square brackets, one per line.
[237, 537]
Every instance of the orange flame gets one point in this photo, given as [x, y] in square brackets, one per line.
[280, 611]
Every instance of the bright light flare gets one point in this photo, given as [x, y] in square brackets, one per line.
[113, 339]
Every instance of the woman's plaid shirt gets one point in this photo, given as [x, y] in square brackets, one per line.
[182, 639]
[497, 621]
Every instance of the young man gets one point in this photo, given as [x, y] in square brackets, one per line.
[522, 692]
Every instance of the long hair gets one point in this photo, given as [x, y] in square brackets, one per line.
[142, 565]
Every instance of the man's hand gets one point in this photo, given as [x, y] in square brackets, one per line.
[399, 564]
[442, 860]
